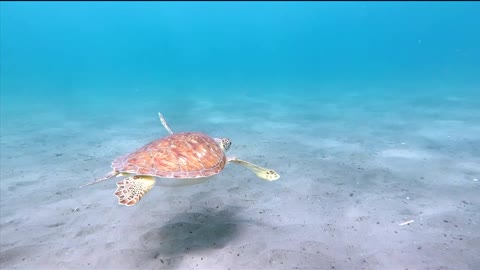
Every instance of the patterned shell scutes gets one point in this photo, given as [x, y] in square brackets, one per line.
[180, 155]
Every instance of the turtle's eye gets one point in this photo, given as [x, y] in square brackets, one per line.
[226, 144]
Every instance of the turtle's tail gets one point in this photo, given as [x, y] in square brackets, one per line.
[106, 177]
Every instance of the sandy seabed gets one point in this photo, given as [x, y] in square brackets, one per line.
[351, 172]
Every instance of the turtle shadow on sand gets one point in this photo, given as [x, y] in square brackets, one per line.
[192, 234]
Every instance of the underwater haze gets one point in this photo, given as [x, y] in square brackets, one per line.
[369, 111]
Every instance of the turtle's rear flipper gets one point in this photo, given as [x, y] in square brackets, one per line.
[106, 177]
[131, 189]
[264, 173]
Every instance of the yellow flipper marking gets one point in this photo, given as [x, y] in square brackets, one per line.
[263, 173]
[131, 189]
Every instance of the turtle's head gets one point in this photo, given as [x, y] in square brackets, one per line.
[224, 143]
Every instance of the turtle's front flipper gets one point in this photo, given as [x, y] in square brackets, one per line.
[106, 177]
[264, 173]
[131, 189]
[164, 123]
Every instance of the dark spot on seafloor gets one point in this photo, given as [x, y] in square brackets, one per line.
[58, 224]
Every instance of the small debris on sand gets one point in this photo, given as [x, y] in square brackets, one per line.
[406, 222]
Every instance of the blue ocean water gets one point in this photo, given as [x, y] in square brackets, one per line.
[320, 91]
[68, 47]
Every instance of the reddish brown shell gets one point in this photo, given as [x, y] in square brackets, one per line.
[180, 155]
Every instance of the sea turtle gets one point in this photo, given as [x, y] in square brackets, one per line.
[178, 159]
